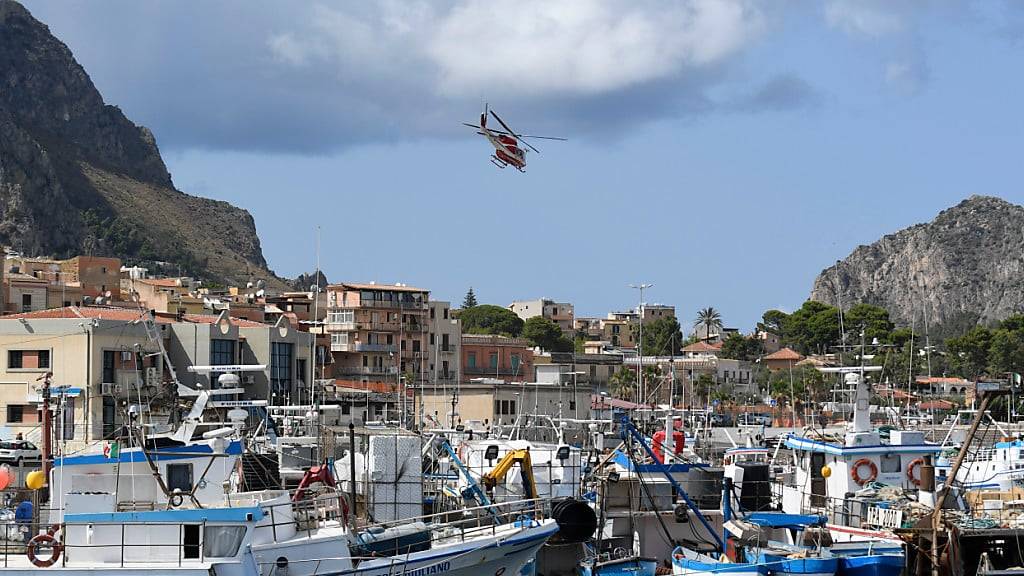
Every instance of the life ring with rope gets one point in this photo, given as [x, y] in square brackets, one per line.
[855, 471]
[914, 465]
[44, 540]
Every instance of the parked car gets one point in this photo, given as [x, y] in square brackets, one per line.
[721, 419]
[752, 419]
[19, 451]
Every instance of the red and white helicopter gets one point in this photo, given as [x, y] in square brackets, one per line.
[507, 149]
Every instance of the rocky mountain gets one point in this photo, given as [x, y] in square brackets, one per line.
[963, 268]
[78, 177]
[304, 282]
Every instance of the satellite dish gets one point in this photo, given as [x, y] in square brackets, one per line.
[99, 300]
[260, 292]
[107, 293]
[86, 300]
[237, 414]
[228, 380]
[248, 284]
[260, 284]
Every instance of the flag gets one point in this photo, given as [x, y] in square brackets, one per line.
[112, 450]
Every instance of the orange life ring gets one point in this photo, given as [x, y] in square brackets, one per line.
[856, 475]
[55, 549]
[910, 471]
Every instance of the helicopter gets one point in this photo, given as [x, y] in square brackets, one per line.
[508, 149]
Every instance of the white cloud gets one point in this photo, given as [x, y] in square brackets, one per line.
[863, 17]
[539, 48]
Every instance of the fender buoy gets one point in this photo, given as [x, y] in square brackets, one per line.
[45, 540]
[910, 471]
[855, 474]
[176, 500]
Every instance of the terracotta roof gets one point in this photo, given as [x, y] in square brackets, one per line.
[937, 405]
[124, 315]
[784, 354]
[939, 380]
[22, 277]
[386, 287]
[100, 312]
[162, 282]
[703, 347]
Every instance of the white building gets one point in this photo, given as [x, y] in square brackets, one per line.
[560, 313]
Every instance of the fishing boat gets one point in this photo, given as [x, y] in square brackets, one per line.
[630, 565]
[869, 559]
[686, 562]
[836, 476]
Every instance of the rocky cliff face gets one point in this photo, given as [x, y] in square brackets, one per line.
[963, 268]
[77, 177]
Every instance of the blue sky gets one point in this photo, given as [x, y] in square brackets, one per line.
[725, 151]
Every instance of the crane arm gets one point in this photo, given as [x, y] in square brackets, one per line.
[513, 457]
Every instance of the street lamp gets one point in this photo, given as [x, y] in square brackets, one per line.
[640, 344]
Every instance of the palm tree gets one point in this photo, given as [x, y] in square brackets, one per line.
[710, 320]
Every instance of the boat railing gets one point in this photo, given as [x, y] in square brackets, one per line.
[184, 551]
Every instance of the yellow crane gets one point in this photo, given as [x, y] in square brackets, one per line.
[511, 458]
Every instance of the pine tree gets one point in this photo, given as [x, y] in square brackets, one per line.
[470, 300]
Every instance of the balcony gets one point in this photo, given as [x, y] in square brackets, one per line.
[449, 349]
[394, 304]
[343, 326]
[361, 347]
[367, 370]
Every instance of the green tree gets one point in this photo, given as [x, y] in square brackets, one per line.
[546, 334]
[739, 347]
[709, 320]
[622, 384]
[968, 354]
[873, 319]
[470, 300]
[814, 328]
[490, 319]
[773, 321]
[662, 337]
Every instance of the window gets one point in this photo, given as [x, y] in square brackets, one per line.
[222, 541]
[28, 359]
[433, 340]
[445, 313]
[281, 366]
[471, 360]
[300, 369]
[890, 463]
[15, 413]
[444, 343]
[493, 359]
[179, 476]
[515, 362]
[415, 345]
[339, 339]
[222, 353]
[26, 302]
[109, 411]
[346, 408]
[444, 368]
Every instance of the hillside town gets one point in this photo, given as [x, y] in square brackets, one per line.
[389, 353]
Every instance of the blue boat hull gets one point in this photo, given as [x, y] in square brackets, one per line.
[783, 566]
[874, 565]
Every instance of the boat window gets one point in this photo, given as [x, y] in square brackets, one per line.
[890, 463]
[179, 476]
[222, 541]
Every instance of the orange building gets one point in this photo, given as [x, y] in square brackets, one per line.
[97, 275]
[782, 359]
[378, 332]
[501, 357]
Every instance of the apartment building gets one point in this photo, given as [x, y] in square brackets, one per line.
[560, 313]
[101, 352]
[493, 356]
[106, 353]
[379, 333]
[486, 402]
[444, 345]
[94, 276]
